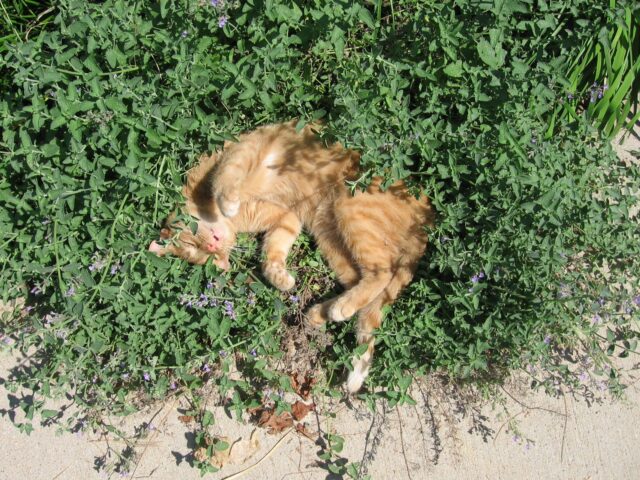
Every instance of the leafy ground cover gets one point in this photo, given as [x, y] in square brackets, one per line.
[106, 106]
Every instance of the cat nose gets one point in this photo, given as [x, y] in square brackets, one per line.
[217, 236]
[211, 247]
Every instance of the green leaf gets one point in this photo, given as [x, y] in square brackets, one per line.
[492, 56]
[112, 58]
[115, 104]
[365, 17]
[454, 69]
[49, 413]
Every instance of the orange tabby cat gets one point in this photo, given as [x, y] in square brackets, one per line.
[277, 180]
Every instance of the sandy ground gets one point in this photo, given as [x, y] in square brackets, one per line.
[449, 434]
[446, 435]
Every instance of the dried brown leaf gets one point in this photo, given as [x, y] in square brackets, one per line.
[244, 449]
[302, 384]
[267, 418]
[186, 419]
[299, 410]
[219, 458]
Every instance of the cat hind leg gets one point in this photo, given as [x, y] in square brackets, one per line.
[369, 318]
[372, 283]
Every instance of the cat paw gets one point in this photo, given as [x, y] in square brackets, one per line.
[359, 373]
[278, 276]
[229, 204]
[340, 311]
[314, 317]
[355, 381]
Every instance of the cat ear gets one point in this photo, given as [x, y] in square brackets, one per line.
[156, 248]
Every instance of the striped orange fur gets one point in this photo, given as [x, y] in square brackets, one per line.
[276, 180]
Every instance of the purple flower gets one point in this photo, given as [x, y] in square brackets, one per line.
[564, 291]
[533, 140]
[206, 368]
[184, 34]
[228, 309]
[253, 353]
[602, 385]
[146, 376]
[216, 3]
[125, 376]
[115, 268]
[636, 300]
[222, 353]
[204, 300]
[209, 285]
[601, 301]
[173, 385]
[528, 446]
[583, 377]
[475, 279]
[52, 317]
[28, 309]
[570, 96]
[596, 320]
[516, 438]
[98, 263]
[251, 298]
[71, 292]
[222, 21]
[36, 290]
[294, 298]
[547, 339]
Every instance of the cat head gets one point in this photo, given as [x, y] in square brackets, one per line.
[211, 234]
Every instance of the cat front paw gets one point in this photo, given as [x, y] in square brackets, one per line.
[278, 276]
[229, 203]
[315, 317]
[341, 310]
